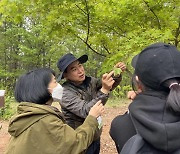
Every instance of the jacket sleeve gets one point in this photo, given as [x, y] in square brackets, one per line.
[100, 95]
[68, 140]
[123, 123]
[73, 102]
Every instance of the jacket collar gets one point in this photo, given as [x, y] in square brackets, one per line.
[160, 94]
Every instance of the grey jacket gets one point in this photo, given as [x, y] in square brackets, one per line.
[77, 100]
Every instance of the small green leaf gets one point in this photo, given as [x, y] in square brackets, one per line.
[117, 71]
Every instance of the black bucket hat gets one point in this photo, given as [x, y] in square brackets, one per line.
[66, 60]
[156, 64]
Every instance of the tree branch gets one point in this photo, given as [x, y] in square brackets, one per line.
[159, 25]
[115, 31]
[87, 14]
[89, 46]
[88, 21]
[106, 49]
[177, 34]
[81, 9]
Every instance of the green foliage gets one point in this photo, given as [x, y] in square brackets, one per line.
[117, 102]
[9, 109]
[121, 91]
[36, 33]
[117, 71]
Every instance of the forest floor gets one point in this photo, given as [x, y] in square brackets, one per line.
[107, 144]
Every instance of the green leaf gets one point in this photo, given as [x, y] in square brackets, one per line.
[117, 71]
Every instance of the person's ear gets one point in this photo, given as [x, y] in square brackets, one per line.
[139, 84]
[65, 75]
[50, 90]
[137, 78]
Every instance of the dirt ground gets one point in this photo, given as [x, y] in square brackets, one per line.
[107, 144]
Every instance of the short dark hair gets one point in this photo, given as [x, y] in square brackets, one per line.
[32, 86]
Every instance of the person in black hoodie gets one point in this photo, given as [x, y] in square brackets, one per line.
[154, 114]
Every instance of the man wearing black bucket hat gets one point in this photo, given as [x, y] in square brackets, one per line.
[152, 123]
[81, 92]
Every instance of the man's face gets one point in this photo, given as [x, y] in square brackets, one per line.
[75, 72]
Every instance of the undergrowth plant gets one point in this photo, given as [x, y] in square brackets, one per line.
[9, 108]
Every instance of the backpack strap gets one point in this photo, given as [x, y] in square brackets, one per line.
[133, 145]
[137, 145]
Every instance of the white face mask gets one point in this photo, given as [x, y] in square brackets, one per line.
[57, 93]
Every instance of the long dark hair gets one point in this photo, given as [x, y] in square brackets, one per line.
[173, 99]
[32, 86]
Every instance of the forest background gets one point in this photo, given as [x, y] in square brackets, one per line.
[36, 33]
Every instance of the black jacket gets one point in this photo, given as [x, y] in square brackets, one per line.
[155, 122]
[150, 118]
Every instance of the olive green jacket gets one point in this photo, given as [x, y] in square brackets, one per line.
[38, 129]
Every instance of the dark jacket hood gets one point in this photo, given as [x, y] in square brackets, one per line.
[156, 123]
[28, 114]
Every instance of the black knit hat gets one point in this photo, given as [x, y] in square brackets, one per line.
[66, 60]
[157, 63]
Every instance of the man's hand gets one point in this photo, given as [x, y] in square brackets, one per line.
[97, 110]
[121, 65]
[107, 82]
[131, 95]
